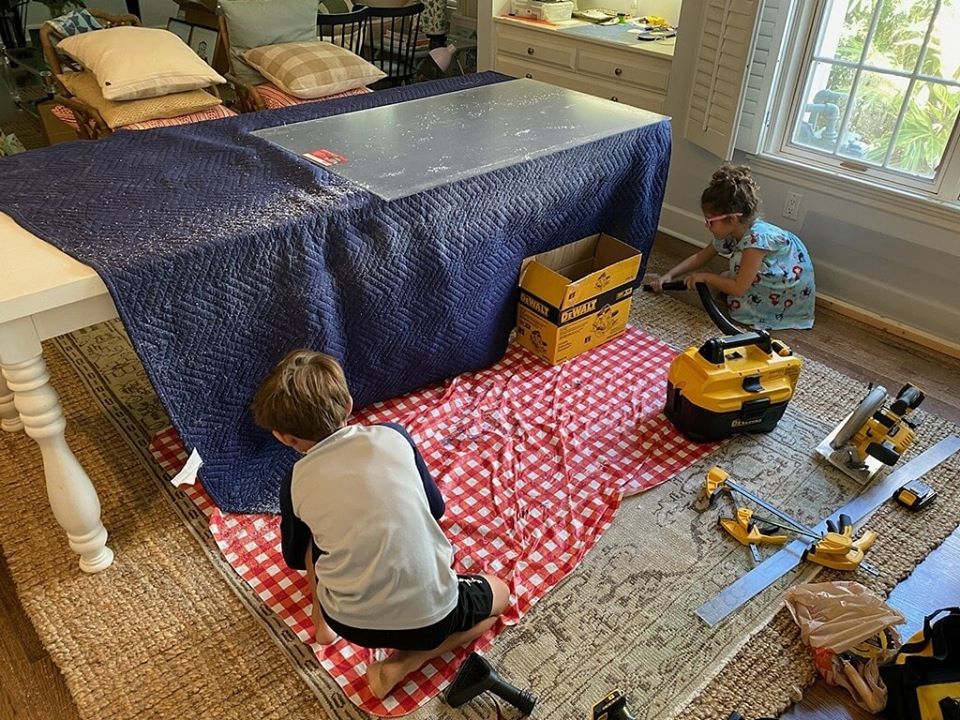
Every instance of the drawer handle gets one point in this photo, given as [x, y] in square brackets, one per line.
[528, 75]
[618, 71]
[615, 98]
[529, 51]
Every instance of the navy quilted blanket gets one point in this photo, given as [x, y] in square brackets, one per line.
[222, 252]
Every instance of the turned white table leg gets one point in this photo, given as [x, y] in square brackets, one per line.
[9, 417]
[73, 498]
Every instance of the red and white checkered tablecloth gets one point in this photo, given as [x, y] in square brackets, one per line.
[532, 461]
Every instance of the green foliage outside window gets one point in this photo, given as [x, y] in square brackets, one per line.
[932, 107]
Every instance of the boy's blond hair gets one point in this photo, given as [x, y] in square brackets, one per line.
[305, 395]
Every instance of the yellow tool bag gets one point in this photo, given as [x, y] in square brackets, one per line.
[923, 682]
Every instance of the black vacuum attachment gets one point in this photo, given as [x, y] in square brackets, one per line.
[477, 676]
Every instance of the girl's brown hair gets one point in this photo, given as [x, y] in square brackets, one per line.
[305, 395]
[732, 190]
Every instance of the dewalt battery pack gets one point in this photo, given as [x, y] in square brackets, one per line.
[736, 383]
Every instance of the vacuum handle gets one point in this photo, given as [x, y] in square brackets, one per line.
[713, 350]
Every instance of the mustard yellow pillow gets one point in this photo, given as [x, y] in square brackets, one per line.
[84, 87]
[313, 68]
[138, 62]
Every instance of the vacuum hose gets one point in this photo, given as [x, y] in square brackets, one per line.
[734, 335]
[709, 304]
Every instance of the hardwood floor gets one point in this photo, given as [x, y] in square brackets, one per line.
[32, 688]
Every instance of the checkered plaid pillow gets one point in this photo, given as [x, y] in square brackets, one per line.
[313, 68]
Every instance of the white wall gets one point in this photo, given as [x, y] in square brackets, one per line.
[884, 262]
[155, 12]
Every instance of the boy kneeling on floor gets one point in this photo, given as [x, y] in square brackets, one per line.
[359, 513]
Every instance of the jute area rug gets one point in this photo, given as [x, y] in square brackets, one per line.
[169, 632]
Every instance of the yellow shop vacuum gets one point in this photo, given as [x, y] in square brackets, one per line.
[739, 382]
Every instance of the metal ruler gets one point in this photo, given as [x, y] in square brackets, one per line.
[768, 572]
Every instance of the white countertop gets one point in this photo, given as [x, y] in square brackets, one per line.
[622, 36]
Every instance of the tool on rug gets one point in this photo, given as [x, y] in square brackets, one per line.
[612, 707]
[915, 495]
[738, 382]
[477, 676]
[835, 548]
[773, 568]
[873, 436]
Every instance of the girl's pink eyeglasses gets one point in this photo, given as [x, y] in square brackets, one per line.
[711, 220]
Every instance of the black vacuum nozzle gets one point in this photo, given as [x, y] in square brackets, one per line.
[477, 676]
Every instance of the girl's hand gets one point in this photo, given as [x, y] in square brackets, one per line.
[657, 281]
[693, 278]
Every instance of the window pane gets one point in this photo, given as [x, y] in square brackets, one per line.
[826, 96]
[901, 28]
[844, 29]
[943, 54]
[925, 132]
[875, 111]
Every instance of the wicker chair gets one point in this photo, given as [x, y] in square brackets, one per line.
[90, 124]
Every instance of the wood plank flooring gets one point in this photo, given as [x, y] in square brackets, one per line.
[32, 688]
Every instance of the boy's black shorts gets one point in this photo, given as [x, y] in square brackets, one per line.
[474, 604]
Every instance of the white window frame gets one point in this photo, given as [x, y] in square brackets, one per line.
[798, 52]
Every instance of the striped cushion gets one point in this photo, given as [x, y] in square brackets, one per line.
[274, 97]
[312, 69]
[119, 113]
[65, 115]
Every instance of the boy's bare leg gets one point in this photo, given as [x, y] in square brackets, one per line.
[383, 676]
[323, 633]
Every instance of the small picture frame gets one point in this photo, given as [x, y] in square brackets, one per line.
[180, 28]
[203, 41]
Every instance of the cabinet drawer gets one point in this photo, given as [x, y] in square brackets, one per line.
[509, 65]
[633, 68]
[651, 101]
[535, 46]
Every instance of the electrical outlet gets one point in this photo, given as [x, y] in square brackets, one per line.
[791, 206]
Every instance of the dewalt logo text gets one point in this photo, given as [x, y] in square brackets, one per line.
[578, 311]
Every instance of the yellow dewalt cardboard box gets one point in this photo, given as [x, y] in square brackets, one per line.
[575, 297]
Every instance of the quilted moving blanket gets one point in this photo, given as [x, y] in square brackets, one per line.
[222, 252]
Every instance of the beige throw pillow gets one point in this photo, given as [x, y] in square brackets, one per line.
[84, 87]
[312, 69]
[137, 62]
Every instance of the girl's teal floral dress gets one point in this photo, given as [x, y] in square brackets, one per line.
[782, 294]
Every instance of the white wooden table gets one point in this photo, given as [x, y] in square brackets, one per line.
[45, 293]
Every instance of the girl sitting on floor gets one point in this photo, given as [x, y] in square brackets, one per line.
[770, 283]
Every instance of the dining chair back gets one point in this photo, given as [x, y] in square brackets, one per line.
[347, 29]
[394, 41]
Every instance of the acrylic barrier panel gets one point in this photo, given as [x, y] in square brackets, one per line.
[403, 148]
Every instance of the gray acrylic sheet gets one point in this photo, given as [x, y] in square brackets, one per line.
[404, 148]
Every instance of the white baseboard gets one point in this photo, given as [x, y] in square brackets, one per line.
[688, 226]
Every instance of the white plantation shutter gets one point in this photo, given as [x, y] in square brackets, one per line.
[726, 40]
[767, 54]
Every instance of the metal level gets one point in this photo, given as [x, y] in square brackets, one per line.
[859, 508]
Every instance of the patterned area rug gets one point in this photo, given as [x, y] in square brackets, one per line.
[160, 635]
[532, 461]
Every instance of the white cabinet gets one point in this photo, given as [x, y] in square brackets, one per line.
[623, 73]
